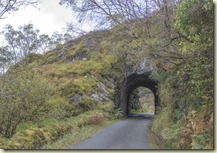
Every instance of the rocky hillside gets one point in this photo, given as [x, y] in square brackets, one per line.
[83, 71]
[77, 83]
[76, 77]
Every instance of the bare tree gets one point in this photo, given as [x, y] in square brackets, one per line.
[14, 5]
[149, 22]
[136, 14]
[74, 31]
[115, 10]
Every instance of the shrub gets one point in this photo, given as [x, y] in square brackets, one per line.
[96, 119]
[57, 108]
[22, 94]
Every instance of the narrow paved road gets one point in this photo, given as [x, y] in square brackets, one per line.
[131, 133]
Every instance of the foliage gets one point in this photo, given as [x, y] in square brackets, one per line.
[170, 135]
[57, 108]
[189, 86]
[162, 120]
[96, 119]
[110, 110]
[198, 123]
[23, 94]
[81, 86]
[85, 105]
[201, 140]
[160, 76]
[5, 58]
[182, 53]
[193, 16]
[47, 131]
[196, 73]
[23, 126]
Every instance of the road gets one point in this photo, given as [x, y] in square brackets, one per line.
[131, 133]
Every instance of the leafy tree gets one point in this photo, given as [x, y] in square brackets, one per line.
[23, 92]
[21, 42]
[189, 86]
[195, 21]
[26, 40]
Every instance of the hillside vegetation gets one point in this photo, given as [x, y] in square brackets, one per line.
[49, 90]
[44, 96]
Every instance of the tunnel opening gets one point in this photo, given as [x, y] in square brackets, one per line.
[141, 102]
[135, 81]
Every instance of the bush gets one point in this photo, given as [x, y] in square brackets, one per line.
[22, 94]
[57, 108]
[96, 119]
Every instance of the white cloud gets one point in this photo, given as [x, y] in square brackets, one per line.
[49, 18]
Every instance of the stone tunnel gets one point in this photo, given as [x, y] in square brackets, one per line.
[140, 80]
[134, 80]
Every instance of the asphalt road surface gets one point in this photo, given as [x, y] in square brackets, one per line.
[131, 133]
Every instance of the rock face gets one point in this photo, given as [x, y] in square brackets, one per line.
[80, 56]
[137, 75]
[102, 93]
[144, 66]
[134, 102]
[97, 96]
[75, 99]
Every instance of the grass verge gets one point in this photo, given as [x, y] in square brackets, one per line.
[50, 131]
[77, 135]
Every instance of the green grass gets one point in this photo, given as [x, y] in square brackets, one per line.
[77, 135]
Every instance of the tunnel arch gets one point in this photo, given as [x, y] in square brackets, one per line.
[134, 81]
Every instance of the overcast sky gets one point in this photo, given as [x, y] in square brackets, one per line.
[48, 17]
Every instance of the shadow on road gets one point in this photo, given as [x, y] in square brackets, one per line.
[149, 116]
